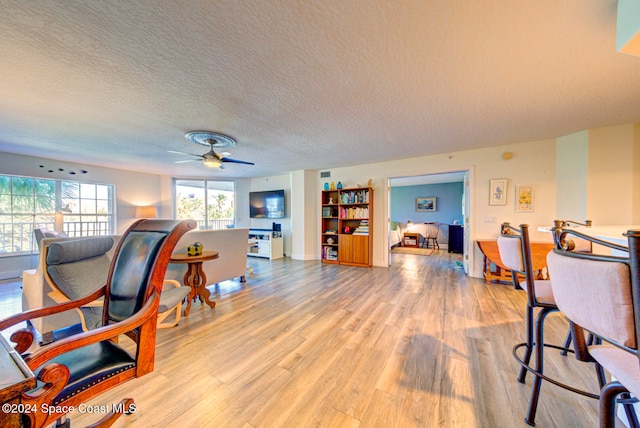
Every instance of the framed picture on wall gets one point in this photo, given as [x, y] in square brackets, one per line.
[498, 191]
[525, 199]
[426, 204]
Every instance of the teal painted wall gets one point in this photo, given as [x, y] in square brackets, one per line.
[448, 203]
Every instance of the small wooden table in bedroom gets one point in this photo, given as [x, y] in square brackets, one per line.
[195, 276]
[411, 239]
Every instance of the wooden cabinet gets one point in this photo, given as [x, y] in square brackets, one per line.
[330, 226]
[265, 243]
[411, 239]
[456, 238]
[347, 226]
[354, 250]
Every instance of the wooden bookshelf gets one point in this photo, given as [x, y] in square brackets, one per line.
[347, 226]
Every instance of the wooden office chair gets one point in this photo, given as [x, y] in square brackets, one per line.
[432, 235]
[81, 366]
[515, 251]
[600, 294]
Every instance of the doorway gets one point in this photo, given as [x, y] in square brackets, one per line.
[451, 194]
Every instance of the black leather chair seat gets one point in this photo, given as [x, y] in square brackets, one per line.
[90, 365]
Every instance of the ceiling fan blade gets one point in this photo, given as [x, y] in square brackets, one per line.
[183, 153]
[236, 161]
[188, 160]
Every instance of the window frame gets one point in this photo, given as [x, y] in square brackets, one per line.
[42, 204]
[207, 186]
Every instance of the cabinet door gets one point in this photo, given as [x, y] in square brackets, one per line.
[264, 247]
[456, 238]
[354, 249]
[345, 253]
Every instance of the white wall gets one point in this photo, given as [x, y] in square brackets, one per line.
[305, 243]
[598, 175]
[611, 175]
[635, 216]
[276, 182]
[242, 189]
[572, 172]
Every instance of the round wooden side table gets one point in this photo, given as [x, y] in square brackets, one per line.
[195, 276]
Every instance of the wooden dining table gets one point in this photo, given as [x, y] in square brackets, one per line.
[195, 277]
[489, 248]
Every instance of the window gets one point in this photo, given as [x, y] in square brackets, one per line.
[210, 203]
[77, 209]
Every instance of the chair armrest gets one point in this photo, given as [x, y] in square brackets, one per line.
[50, 310]
[172, 282]
[60, 298]
[59, 347]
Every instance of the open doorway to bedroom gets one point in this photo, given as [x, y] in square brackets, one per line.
[429, 212]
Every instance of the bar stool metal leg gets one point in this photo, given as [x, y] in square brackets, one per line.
[537, 380]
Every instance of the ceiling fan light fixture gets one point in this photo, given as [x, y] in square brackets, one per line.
[211, 159]
[212, 162]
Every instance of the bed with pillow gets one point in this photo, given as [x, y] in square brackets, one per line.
[396, 233]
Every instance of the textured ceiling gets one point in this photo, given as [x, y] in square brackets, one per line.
[304, 85]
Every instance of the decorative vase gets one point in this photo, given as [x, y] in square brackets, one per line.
[333, 186]
[339, 185]
[326, 186]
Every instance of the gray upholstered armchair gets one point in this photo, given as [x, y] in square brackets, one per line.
[76, 268]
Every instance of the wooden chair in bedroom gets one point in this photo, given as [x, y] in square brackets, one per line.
[81, 366]
[431, 235]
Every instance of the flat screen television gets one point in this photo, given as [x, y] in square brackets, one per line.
[267, 204]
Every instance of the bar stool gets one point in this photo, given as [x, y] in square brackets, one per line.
[600, 294]
[515, 251]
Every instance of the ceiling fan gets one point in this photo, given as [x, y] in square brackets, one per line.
[211, 158]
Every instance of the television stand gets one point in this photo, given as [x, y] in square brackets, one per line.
[265, 243]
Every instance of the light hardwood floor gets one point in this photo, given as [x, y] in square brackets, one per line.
[302, 344]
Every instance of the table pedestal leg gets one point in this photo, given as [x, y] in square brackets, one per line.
[201, 281]
[192, 293]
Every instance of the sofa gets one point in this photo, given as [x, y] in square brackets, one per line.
[232, 246]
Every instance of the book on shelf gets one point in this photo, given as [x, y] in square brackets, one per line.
[363, 228]
[354, 212]
[329, 253]
[355, 197]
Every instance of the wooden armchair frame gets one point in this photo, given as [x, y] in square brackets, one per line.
[59, 386]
